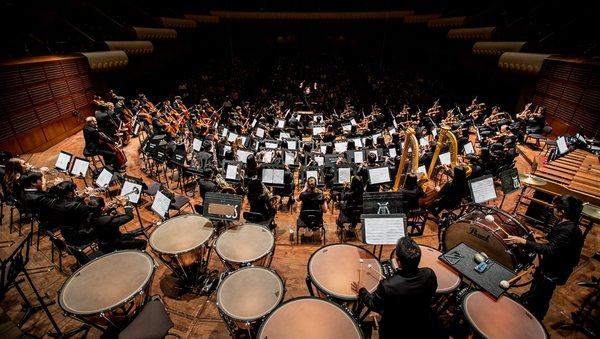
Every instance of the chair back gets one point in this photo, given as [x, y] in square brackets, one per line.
[312, 218]
[14, 264]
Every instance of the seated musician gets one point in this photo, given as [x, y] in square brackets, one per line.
[312, 198]
[452, 193]
[260, 199]
[106, 120]
[411, 192]
[351, 202]
[83, 221]
[33, 197]
[558, 257]
[96, 144]
[405, 299]
[13, 169]
[204, 160]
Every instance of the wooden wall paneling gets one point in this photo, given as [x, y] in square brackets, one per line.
[53, 71]
[31, 74]
[47, 112]
[15, 101]
[23, 121]
[69, 69]
[10, 78]
[32, 139]
[39, 93]
[53, 130]
[59, 88]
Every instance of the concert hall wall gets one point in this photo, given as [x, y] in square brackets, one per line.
[570, 90]
[38, 96]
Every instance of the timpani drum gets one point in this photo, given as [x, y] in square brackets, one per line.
[333, 268]
[309, 318]
[246, 296]
[249, 244]
[182, 243]
[502, 318]
[447, 279]
[486, 234]
[108, 291]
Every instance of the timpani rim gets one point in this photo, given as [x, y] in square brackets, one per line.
[297, 299]
[478, 331]
[265, 313]
[246, 260]
[162, 251]
[327, 291]
[112, 307]
[451, 288]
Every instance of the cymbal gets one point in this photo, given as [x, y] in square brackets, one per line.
[591, 211]
[531, 180]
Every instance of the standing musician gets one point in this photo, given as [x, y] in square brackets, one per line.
[97, 143]
[558, 257]
[405, 299]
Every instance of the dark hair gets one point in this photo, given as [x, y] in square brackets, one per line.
[408, 253]
[29, 178]
[570, 206]
[411, 181]
[62, 189]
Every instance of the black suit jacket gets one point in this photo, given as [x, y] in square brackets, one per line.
[561, 254]
[404, 302]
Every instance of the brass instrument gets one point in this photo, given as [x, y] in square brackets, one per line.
[224, 186]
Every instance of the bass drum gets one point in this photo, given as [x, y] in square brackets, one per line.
[484, 229]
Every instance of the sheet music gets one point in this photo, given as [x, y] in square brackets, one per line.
[260, 132]
[379, 175]
[244, 138]
[358, 157]
[267, 175]
[290, 158]
[271, 145]
[423, 142]
[392, 131]
[224, 132]
[253, 123]
[284, 135]
[313, 174]
[468, 147]
[104, 178]
[395, 123]
[341, 147]
[445, 158]
[482, 189]
[344, 175]
[318, 129]
[392, 152]
[278, 176]
[225, 149]
[196, 145]
[128, 189]
[161, 204]
[561, 144]
[267, 156]
[323, 149]
[422, 169]
[243, 155]
[280, 123]
[375, 136]
[353, 122]
[231, 172]
[80, 167]
[358, 142]
[347, 128]
[63, 160]
[292, 144]
[319, 160]
[383, 231]
[232, 136]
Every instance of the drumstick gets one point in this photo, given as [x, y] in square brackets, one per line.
[360, 270]
[490, 218]
[506, 284]
[376, 271]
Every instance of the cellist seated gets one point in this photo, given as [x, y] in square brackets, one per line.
[98, 144]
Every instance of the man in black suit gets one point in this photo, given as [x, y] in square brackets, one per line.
[106, 119]
[94, 146]
[559, 256]
[33, 197]
[404, 300]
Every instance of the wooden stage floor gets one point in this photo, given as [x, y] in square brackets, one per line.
[198, 317]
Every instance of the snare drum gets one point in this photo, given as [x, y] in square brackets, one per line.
[109, 291]
[249, 244]
[311, 318]
[333, 268]
[246, 296]
[182, 243]
[473, 229]
[448, 280]
[502, 318]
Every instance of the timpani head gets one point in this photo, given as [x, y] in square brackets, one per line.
[244, 244]
[181, 234]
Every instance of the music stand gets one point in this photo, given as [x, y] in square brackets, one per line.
[132, 188]
[343, 173]
[382, 229]
[313, 171]
[79, 169]
[379, 175]
[162, 202]
[509, 182]
[482, 189]
[222, 207]
[273, 175]
[63, 161]
[232, 173]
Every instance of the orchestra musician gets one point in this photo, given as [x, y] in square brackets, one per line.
[405, 299]
[312, 198]
[98, 143]
[558, 257]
